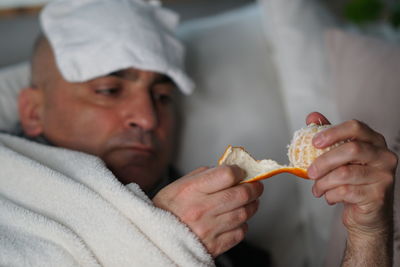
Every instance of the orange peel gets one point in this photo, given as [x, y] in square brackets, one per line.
[301, 154]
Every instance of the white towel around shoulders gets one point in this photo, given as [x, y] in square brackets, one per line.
[64, 208]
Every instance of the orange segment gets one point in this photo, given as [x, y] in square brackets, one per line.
[301, 152]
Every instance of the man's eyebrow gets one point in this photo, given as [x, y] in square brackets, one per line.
[164, 79]
[116, 73]
[161, 78]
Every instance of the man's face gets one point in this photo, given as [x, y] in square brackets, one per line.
[127, 118]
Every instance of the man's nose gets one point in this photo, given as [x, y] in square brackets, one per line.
[139, 111]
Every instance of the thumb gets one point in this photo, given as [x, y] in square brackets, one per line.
[317, 118]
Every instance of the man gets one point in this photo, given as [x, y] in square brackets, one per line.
[127, 118]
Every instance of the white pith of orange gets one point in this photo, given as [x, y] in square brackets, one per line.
[301, 154]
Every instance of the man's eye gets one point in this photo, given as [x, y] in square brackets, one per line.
[108, 91]
[163, 98]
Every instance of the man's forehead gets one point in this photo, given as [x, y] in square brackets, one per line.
[133, 74]
[144, 39]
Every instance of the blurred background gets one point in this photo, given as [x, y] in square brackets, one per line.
[19, 20]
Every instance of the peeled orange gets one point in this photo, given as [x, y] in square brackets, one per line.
[301, 154]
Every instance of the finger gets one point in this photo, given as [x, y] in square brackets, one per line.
[233, 219]
[350, 194]
[348, 174]
[235, 197]
[348, 153]
[349, 130]
[197, 171]
[228, 240]
[317, 118]
[365, 197]
[219, 178]
[191, 175]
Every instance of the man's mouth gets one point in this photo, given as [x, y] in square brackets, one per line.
[134, 155]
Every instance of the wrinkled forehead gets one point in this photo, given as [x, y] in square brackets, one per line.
[94, 38]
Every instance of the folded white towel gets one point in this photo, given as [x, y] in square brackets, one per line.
[64, 208]
[92, 38]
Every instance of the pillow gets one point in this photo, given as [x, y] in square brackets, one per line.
[12, 79]
[238, 101]
[366, 83]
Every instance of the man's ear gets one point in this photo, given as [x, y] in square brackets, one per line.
[30, 108]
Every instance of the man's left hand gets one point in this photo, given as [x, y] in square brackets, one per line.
[359, 173]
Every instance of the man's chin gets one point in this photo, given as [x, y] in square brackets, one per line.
[132, 166]
[139, 175]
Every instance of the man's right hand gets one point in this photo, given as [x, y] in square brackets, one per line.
[213, 204]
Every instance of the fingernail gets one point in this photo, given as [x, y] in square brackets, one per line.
[314, 192]
[312, 172]
[318, 140]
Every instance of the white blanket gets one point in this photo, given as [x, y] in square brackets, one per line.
[64, 208]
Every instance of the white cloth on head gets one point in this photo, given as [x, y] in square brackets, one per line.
[92, 38]
[59, 207]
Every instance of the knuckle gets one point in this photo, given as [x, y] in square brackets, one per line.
[320, 185]
[185, 188]
[181, 192]
[380, 138]
[355, 192]
[202, 231]
[362, 171]
[239, 235]
[192, 214]
[387, 178]
[356, 125]
[243, 194]
[336, 195]
[391, 158]
[395, 158]
[259, 188]
[328, 198]
[226, 172]
[228, 195]
[380, 197]
[343, 172]
[354, 148]
[243, 214]
[344, 190]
